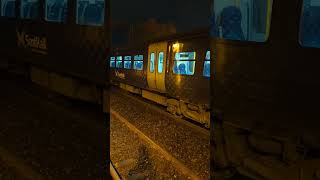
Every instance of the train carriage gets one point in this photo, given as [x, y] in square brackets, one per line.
[128, 66]
[62, 44]
[265, 88]
[176, 74]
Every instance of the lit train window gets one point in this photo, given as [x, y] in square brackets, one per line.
[112, 62]
[90, 12]
[243, 20]
[127, 62]
[184, 63]
[29, 9]
[310, 24]
[160, 62]
[56, 10]
[152, 57]
[8, 8]
[206, 66]
[138, 62]
[119, 62]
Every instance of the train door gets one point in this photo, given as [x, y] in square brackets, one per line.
[157, 53]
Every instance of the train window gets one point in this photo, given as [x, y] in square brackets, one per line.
[119, 62]
[8, 8]
[29, 9]
[160, 62]
[184, 63]
[152, 57]
[244, 20]
[127, 62]
[138, 62]
[310, 24]
[206, 66]
[56, 10]
[112, 62]
[138, 57]
[90, 12]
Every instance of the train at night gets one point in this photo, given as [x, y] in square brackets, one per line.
[173, 72]
[59, 44]
[264, 89]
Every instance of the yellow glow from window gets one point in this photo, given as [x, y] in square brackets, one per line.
[177, 46]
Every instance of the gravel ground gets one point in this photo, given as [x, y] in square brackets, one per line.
[134, 159]
[182, 142]
[8, 173]
[57, 141]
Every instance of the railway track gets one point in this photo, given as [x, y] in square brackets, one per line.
[162, 110]
[183, 169]
[182, 145]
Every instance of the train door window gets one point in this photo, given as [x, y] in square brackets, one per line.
[243, 20]
[206, 66]
[138, 62]
[310, 24]
[127, 62]
[29, 9]
[56, 10]
[90, 12]
[119, 62]
[160, 62]
[112, 62]
[8, 8]
[184, 63]
[152, 58]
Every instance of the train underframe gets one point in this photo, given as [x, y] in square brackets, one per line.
[195, 112]
[65, 85]
[260, 156]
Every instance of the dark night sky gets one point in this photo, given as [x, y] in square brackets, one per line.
[185, 14]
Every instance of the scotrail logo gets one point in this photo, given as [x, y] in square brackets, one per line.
[33, 42]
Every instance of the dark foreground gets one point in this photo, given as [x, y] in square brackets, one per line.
[52, 136]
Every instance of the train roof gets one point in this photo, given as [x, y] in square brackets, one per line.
[196, 33]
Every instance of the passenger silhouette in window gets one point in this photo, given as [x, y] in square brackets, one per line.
[231, 23]
[182, 69]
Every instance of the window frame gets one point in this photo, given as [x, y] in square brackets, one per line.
[138, 60]
[239, 42]
[103, 24]
[299, 29]
[56, 22]
[124, 61]
[204, 63]
[119, 61]
[112, 59]
[8, 17]
[159, 62]
[152, 53]
[38, 18]
[175, 60]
